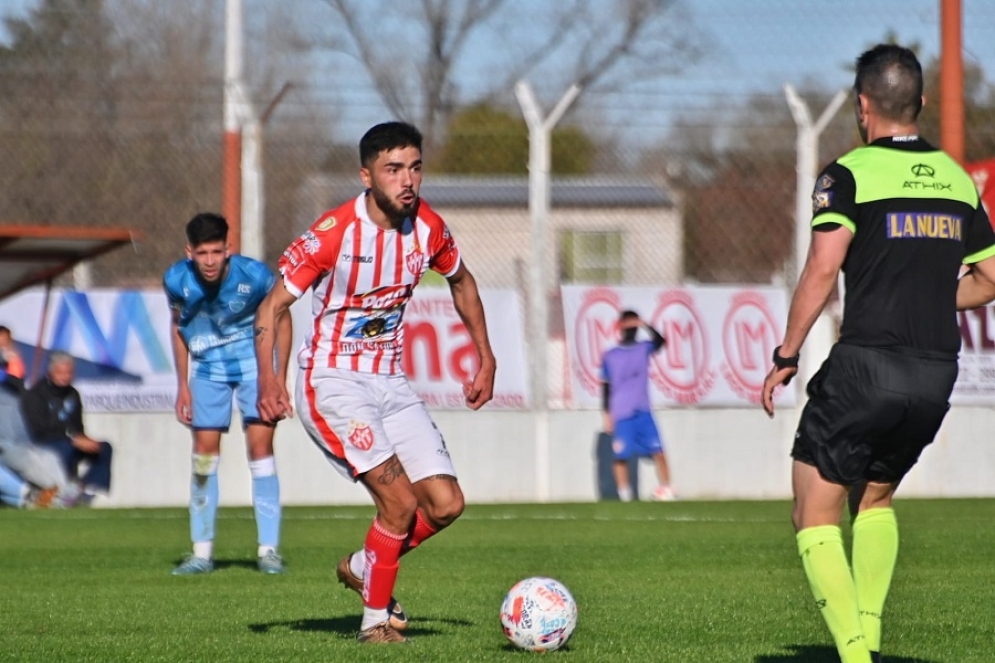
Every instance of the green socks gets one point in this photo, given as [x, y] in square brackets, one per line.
[875, 549]
[824, 560]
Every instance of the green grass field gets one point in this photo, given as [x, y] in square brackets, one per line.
[682, 582]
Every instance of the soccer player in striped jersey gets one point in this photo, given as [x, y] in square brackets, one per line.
[362, 262]
[213, 297]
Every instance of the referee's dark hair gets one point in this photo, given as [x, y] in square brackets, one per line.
[207, 227]
[386, 137]
[891, 77]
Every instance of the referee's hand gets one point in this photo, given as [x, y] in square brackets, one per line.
[776, 377]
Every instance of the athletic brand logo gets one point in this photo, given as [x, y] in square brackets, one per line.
[360, 435]
[244, 289]
[748, 340]
[925, 170]
[365, 260]
[683, 370]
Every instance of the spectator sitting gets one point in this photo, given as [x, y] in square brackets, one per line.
[53, 412]
[40, 467]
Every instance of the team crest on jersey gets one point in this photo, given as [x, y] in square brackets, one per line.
[415, 261]
[360, 435]
[327, 224]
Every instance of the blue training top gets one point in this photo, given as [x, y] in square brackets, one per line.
[216, 322]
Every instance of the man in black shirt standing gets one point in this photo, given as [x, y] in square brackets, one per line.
[901, 219]
[53, 413]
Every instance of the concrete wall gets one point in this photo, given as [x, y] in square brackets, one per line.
[714, 454]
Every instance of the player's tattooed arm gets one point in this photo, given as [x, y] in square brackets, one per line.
[440, 477]
[260, 333]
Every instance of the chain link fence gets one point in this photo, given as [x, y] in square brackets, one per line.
[706, 195]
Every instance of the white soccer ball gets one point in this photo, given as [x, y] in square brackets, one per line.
[539, 614]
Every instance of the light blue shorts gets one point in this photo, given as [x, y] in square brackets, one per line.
[212, 403]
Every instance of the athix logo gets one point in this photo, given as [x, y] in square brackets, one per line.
[922, 170]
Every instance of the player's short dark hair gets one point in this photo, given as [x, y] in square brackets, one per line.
[207, 227]
[385, 137]
[4, 329]
[891, 77]
[627, 314]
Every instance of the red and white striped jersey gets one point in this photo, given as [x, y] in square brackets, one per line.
[362, 277]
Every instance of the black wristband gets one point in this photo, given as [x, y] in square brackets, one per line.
[784, 362]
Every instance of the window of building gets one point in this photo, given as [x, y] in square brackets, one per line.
[591, 256]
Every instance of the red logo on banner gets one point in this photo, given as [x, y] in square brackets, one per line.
[681, 370]
[360, 436]
[749, 335]
[595, 332]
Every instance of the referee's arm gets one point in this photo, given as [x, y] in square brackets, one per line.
[977, 287]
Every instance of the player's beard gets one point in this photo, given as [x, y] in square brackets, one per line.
[396, 212]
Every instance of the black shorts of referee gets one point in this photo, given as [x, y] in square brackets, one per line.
[871, 412]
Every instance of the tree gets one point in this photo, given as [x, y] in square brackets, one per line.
[736, 169]
[111, 114]
[411, 51]
[482, 139]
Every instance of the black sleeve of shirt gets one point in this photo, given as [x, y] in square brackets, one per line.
[980, 234]
[34, 407]
[75, 424]
[835, 192]
[656, 338]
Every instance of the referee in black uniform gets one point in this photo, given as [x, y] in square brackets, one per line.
[901, 219]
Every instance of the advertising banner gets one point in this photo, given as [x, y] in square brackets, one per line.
[719, 341]
[124, 362]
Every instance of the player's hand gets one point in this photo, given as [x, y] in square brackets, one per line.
[184, 406]
[273, 400]
[776, 377]
[481, 389]
[607, 424]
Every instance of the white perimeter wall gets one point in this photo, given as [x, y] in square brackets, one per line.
[714, 454]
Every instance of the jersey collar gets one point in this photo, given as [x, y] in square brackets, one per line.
[907, 143]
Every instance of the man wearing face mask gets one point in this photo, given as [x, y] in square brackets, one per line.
[626, 404]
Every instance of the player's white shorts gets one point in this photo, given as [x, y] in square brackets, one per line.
[359, 420]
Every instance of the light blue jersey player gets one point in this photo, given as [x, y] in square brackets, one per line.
[213, 297]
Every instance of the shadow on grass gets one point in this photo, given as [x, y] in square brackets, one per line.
[221, 564]
[349, 626]
[822, 654]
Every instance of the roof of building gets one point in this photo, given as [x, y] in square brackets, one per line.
[465, 191]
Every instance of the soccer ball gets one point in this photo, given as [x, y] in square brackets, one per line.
[539, 614]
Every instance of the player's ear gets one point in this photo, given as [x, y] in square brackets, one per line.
[189, 252]
[364, 175]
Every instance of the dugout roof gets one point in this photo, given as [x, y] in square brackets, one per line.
[32, 255]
